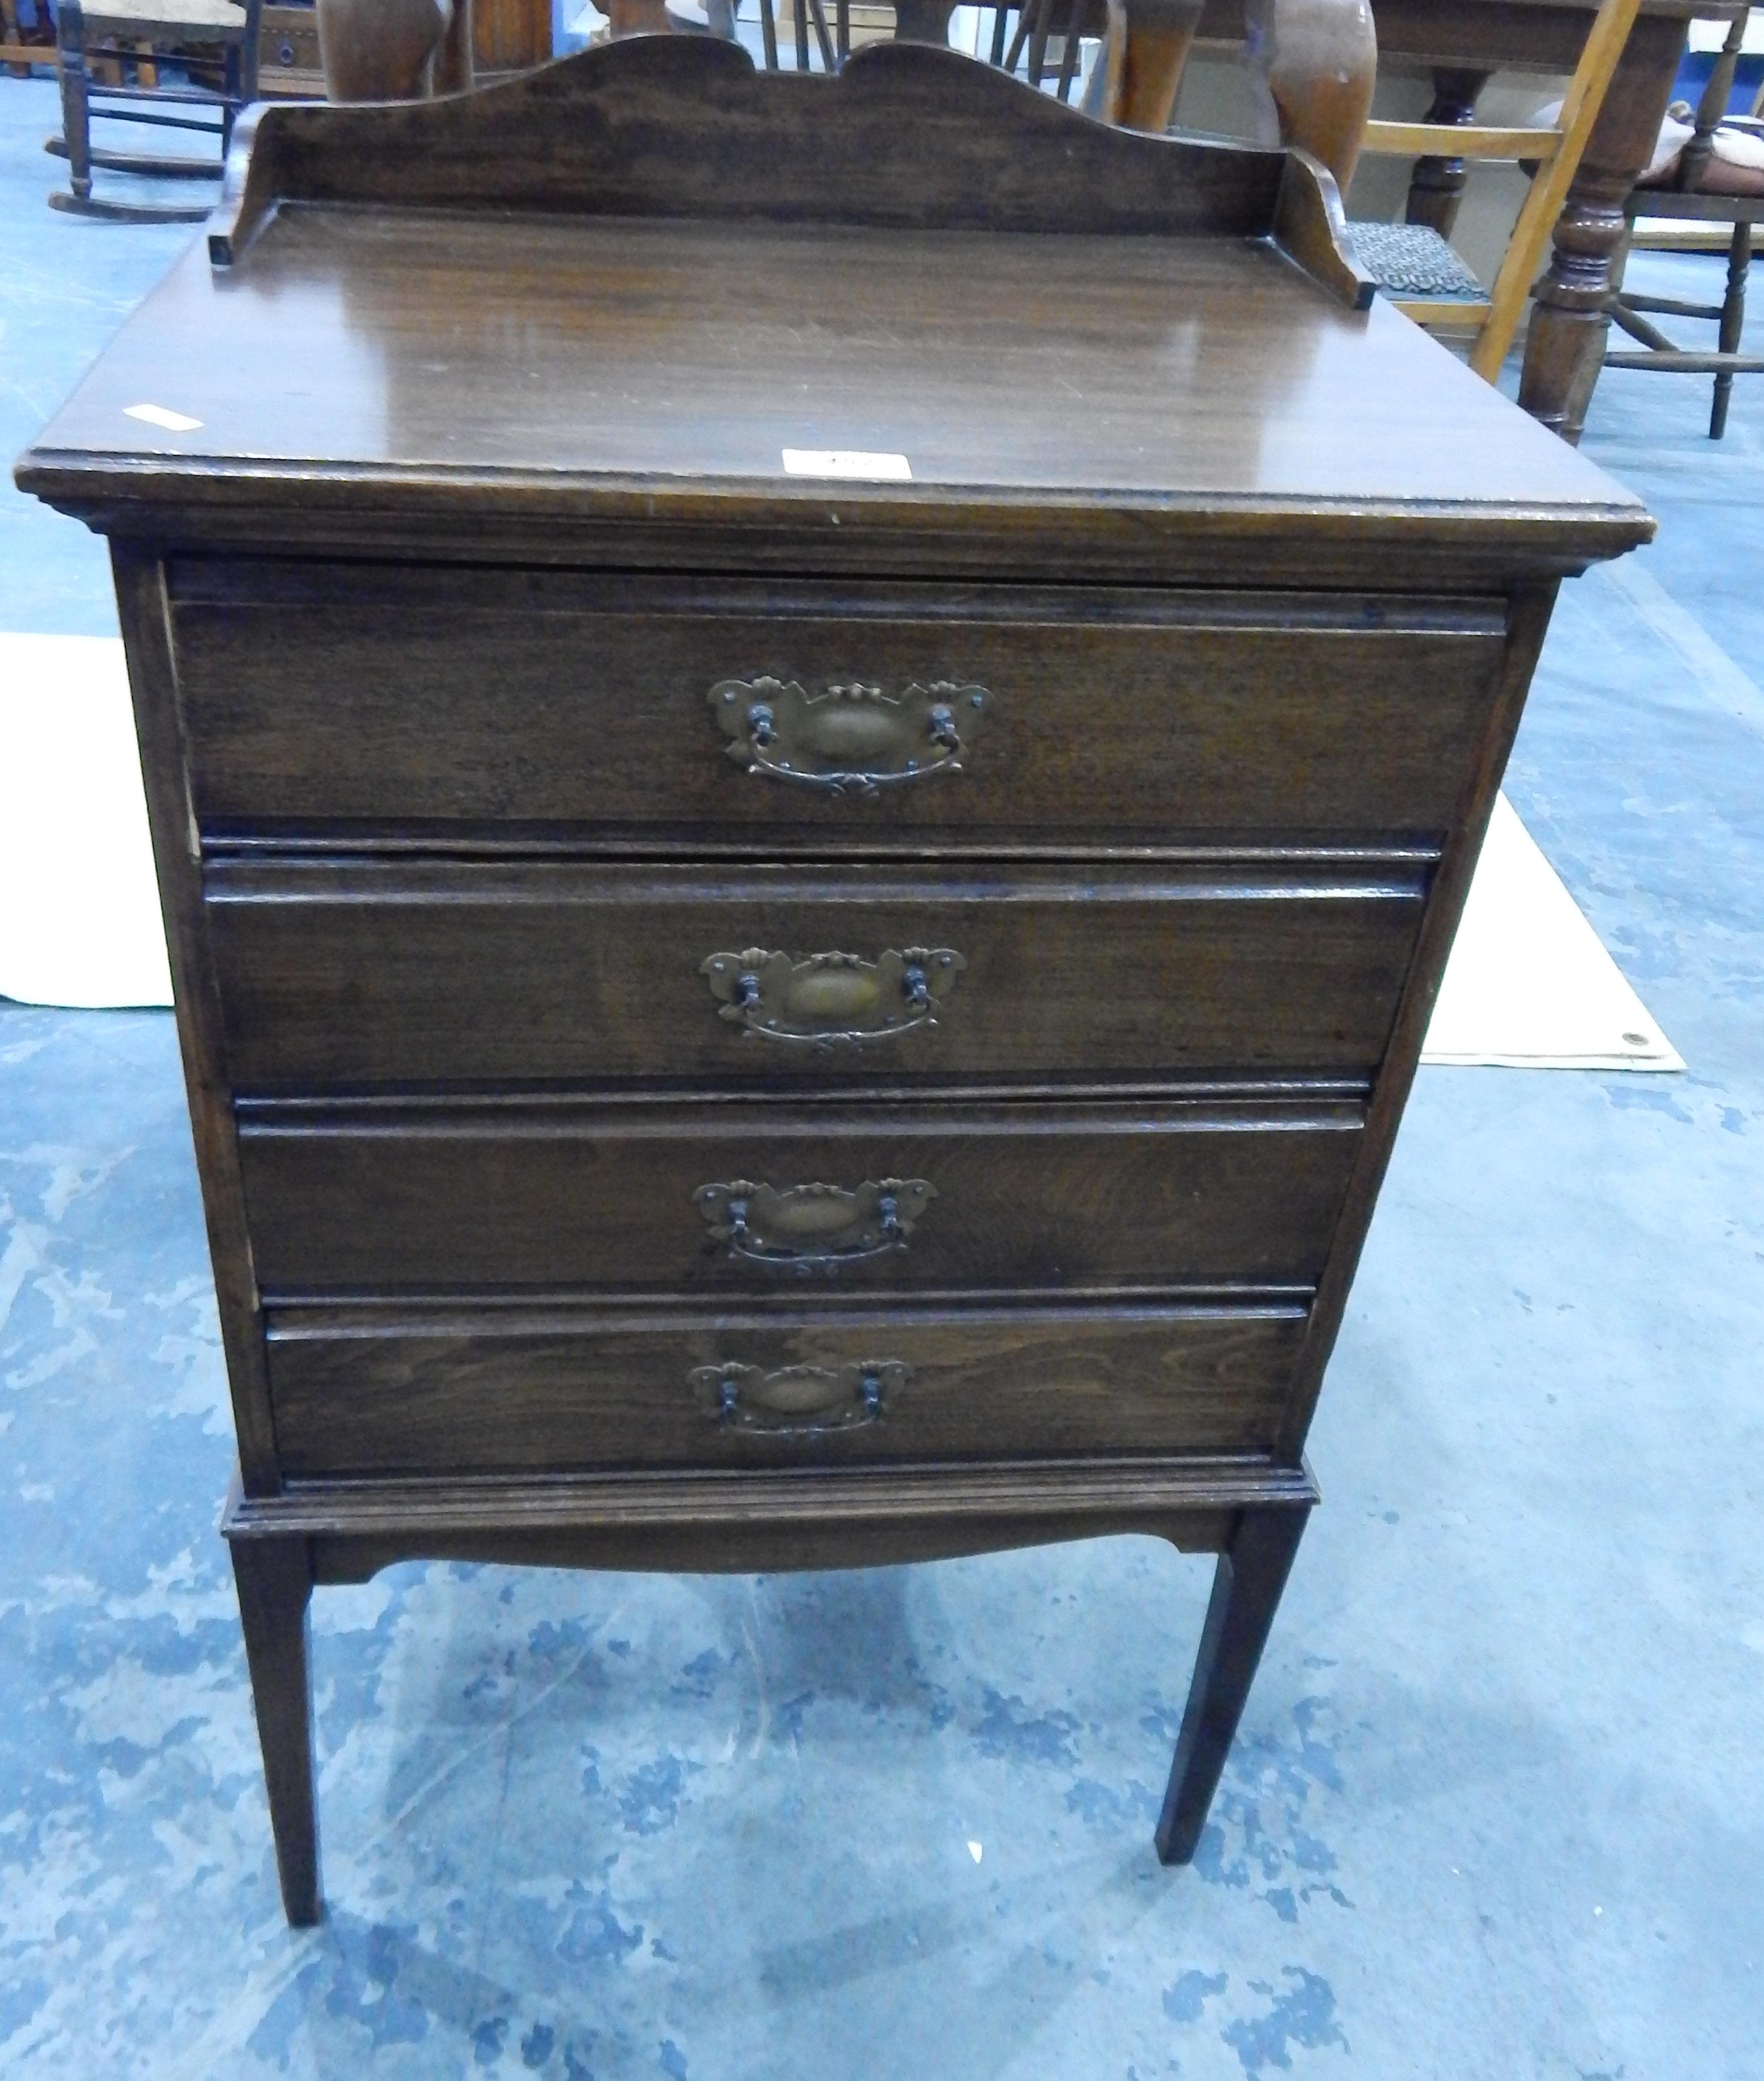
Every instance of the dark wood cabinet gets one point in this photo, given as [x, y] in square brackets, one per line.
[736, 1017]
[560, 707]
[639, 1195]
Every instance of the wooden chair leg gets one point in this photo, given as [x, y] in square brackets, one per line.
[275, 1586]
[249, 53]
[76, 106]
[1732, 324]
[1038, 41]
[1251, 1574]
[1068, 56]
[1026, 14]
[233, 93]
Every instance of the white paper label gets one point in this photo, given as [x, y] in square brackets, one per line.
[861, 463]
[161, 415]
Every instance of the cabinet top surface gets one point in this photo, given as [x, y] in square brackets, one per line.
[619, 289]
[677, 355]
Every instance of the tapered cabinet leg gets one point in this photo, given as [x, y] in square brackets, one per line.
[1246, 1593]
[275, 1586]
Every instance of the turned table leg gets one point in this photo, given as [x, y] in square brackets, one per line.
[922, 21]
[1159, 33]
[276, 1586]
[1565, 347]
[1436, 185]
[637, 18]
[1252, 1573]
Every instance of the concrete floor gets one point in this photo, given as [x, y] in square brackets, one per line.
[1495, 1809]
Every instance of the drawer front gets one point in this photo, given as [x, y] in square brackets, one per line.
[364, 1391]
[420, 701]
[784, 1201]
[361, 976]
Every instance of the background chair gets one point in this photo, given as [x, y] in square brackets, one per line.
[1414, 265]
[141, 34]
[1704, 187]
[1039, 22]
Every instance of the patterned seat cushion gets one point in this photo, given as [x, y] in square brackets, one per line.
[1412, 260]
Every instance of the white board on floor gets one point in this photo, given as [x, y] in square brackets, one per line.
[79, 909]
[1529, 985]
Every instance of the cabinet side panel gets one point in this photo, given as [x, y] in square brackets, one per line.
[1527, 624]
[142, 603]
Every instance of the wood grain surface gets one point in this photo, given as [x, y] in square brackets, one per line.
[404, 1199]
[359, 1391]
[1043, 389]
[576, 710]
[744, 1519]
[342, 977]
[141, 608]
[903, 136]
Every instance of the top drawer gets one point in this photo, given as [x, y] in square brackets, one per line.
[387, 701]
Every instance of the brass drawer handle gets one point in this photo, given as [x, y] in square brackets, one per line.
[832, 997]
[813, 1228]
[799, 1401]
[849, 738]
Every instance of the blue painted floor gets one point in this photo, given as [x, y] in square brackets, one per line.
[1495, 1811]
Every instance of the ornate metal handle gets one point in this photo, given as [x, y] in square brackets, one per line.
[813, 1228]
[799, 1401]
[849, 738]
[832, 997]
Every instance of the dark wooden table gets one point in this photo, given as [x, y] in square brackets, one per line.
[1464, 42]
[737, 1015]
